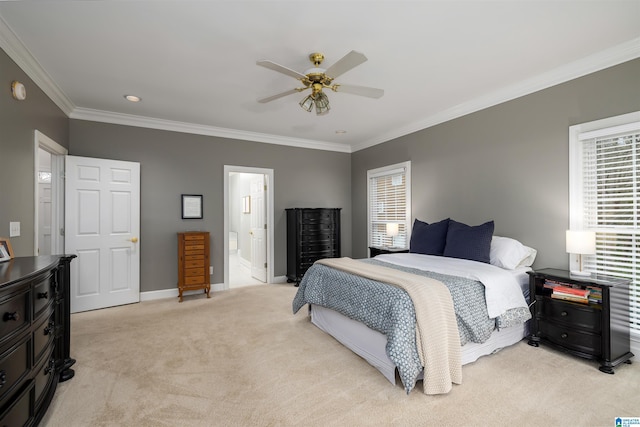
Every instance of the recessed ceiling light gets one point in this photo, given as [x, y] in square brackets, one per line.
[132, 98]
[341, 131]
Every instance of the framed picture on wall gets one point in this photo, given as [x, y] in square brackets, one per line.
[192, 206]
[6, 252]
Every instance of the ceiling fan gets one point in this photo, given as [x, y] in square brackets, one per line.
[317, 79]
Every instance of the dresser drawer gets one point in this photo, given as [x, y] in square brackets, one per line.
[19, 413]
[43, 335]
[313, 229]
[198, 252]
[584, 317]
[191, 272]
[45, 373]
[318, 238]
[573, 339]
[43, 293]
[195, 280]
[14, 366]
[310, 216]
[193, 237]
[194, 263]
[14, 313]
[192, 247]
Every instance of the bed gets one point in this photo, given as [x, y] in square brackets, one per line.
[376, 319]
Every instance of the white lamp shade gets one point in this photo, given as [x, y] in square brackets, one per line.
[581, 242]
[392, 229]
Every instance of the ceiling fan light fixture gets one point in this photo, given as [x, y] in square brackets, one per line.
[322, 104]
[307, 103]
[317, 79]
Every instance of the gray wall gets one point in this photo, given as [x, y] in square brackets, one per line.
[18, 122]
[173, 163]
[508, 163]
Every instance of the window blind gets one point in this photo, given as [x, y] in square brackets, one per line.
[388, 194]
[610, 181]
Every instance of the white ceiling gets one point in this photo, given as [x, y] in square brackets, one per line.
[194, 62]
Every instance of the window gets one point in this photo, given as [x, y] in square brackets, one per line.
[389, 202]
[605, 198]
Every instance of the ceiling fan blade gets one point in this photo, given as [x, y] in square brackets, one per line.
[344, 64]
[281, 69]
[369, 92]
[279, 95]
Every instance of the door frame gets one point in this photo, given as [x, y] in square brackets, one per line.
[57, 151]
[228, 169]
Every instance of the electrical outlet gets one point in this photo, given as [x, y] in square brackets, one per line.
[14, 229]
[210, 270]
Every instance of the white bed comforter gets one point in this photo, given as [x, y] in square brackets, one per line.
[502, 291]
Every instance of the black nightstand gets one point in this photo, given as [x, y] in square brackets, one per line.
[594, 329]
[377, 250]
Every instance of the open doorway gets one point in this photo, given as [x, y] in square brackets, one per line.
[248, 226]
[48, 195]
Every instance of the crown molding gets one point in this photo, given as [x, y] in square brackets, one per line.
[608, 58]
[170, 125]
[17, 51]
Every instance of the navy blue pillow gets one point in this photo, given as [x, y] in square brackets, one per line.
[428, 239]
[469, 242]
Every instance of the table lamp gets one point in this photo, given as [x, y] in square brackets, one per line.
[581, 242]
[392, 231]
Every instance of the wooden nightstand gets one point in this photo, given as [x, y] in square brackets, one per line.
[377, 250]
[594, 329]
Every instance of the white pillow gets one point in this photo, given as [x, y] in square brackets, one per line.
[510, 254]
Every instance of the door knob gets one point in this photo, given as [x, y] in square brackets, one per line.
[134, 239]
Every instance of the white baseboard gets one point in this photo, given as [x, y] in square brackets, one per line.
[173, 292]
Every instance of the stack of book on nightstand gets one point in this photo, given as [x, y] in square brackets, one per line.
[566, 292]
[595, 295]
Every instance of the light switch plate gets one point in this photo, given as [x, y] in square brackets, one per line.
[14, 229]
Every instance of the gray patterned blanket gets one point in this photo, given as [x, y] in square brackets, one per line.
[390, 311]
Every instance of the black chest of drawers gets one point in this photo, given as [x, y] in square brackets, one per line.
[594, 329]
[34, 336]
[312, 234]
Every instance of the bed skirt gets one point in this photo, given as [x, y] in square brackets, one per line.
[371, 345]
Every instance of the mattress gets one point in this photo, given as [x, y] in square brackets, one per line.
[371, 345]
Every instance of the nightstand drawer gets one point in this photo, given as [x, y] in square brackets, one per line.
[573, 339]
[584, 317]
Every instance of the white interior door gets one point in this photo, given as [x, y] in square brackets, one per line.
[102, 227]
[258, 228]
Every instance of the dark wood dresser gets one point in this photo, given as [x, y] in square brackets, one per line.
[34, 336]
[193, 262]
[597, 328]
[312, 234]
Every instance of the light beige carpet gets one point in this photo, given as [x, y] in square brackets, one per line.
[242, 358]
